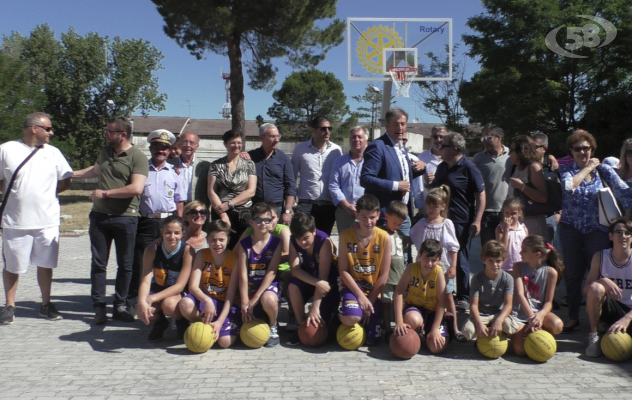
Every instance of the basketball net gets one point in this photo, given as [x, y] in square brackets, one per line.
[403, 78]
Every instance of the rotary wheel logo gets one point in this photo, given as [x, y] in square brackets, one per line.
[370, 46]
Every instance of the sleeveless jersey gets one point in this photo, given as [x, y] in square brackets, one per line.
[420, 293]
[216, 279]
[310, 264]
[257, 263]
[534, 285]
[364, 263]
[166, 270]
[621, 275]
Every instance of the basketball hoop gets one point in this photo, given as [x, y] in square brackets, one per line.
[403, 78]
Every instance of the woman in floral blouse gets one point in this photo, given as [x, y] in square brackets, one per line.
[580, 232]
[231, 184]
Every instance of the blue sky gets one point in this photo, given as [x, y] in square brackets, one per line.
[187, 80]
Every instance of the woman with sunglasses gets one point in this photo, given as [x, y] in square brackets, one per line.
[580, 232]
[231, 185]
[195, 217]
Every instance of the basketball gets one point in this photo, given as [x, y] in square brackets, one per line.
[492, 347]
[405, 346]
[540, 346]
[199, 337]
[313, 336]
[255, 333]
[351, 337]
[617, 346]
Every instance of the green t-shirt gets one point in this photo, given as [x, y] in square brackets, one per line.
[116, 172]
[277, 231]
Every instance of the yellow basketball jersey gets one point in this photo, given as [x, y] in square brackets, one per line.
[420, 293]
[215, 280]
[364, 263]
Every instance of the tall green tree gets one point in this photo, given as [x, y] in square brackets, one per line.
[79, 74]
[305, 94]
[18, 96]
[370, 106]
[524, 86]
[263, 29]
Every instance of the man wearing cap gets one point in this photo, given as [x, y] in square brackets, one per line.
[194, 172]
[122, 171]
[162, 196]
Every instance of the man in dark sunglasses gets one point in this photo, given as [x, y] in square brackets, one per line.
[313, 161]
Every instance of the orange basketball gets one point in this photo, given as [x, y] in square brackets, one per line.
[312, 336]
[405, 346]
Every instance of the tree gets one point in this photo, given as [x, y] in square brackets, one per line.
[266, 29]
[373, 96]
[304, 95]
[78, 79]
[523, 86]
[441, 98]
[18, 96]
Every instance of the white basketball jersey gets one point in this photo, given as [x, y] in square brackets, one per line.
[619, 274]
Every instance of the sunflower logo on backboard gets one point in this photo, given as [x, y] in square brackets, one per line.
[371, 43]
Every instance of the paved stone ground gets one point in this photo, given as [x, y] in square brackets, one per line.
[72, 359]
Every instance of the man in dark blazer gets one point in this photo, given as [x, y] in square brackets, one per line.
[387, 172]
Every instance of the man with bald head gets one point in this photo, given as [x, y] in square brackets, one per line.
[31, 215]
[193, 172]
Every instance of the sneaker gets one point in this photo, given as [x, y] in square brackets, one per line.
[593, 349]
[463, 305]
[182, 325]
[294, 340]
[122, 314]
[49, 311]
[274, 337]
[292, 325]
[100, 316]
[158, 329]
[7, 315]
[460, 337]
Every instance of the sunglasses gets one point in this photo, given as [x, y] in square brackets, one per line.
[197, 212]
[581, 149]
[438, 137]
[325, 128]
[443, 146]
[259, 220]
[486, 138]
[46, 128]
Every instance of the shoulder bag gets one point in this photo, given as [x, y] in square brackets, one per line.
[609, 210]
[7, 191]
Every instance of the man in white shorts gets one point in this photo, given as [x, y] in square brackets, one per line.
[30, 220]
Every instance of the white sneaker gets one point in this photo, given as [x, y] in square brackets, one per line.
[593, 349]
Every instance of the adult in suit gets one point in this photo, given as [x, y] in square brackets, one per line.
[193, 172]
[387, 172]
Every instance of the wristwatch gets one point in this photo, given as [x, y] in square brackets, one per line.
[287, 212]
[230, 205]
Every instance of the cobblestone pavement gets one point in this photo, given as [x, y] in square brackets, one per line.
[72, 359]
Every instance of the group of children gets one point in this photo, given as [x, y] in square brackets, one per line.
[225, 288]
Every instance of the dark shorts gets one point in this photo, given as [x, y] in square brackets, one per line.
[231, 324]
[612, 311]
[428, 318]
[329, 303]
[351, 308]
[259, 312]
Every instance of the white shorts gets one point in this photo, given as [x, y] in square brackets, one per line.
[22, 248]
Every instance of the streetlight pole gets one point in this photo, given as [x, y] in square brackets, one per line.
[376, 99]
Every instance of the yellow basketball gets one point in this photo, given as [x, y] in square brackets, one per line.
[255, 333]
[199, 337]
[540, 346]
[493, 347]
[617, 346]
[351, 337]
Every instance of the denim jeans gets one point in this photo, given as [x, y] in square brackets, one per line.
[489, 222]
[103, 229]
[463, 261]
[579, 249]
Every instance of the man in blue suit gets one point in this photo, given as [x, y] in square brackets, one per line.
[387, 172]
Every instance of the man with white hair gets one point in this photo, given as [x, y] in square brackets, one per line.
[194, 172]
[31, 215]
[275, 174]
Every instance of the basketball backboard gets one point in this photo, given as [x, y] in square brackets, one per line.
[367, 39]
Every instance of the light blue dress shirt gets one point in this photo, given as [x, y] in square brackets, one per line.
[163, 189]
[344, 180]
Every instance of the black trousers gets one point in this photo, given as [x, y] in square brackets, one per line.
[146, 234]
[325, 216]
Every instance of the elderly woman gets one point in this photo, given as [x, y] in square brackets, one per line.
[580, 232]
[529, 179]
[195, 216]
[625, 161]
[231, 185]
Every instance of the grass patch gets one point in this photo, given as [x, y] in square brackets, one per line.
[72, 193]
[79, 211]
